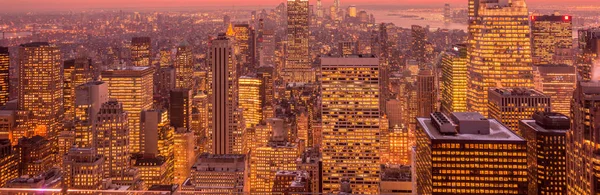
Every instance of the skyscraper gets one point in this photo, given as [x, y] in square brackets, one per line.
[250, 100]
[4, 75]
[133, 87]
[76, 72]
[180, 108]
[546, 156]
[9, 161]
[418, 44]
[508, 64]
[267, 160]
[40, 86]
[426, 93]
[558, 82]
[298, 65]
[552, 38]
[88, 99]
[223, 95]
[453, 83]
[34, 155]
[510, 105]
[589, 51]
[582, 139]
[83, 169]
[184, 66]
[465, 153]
[350, 112]
[245, 43]
[112, 141]
[141, 51]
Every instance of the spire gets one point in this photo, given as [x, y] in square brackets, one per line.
[230, 32]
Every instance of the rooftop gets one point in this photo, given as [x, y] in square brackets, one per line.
[465, 122]
[516, 92]
[35, 44]
[396, 173]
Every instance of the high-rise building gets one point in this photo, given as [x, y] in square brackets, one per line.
[589, 51]
[298, 64]
[9, 161]
[453, 83]
[184, 66]
[447, 13]
[510, 105]
[166, 81]
[112, 132]
[465, 153]
[40, 86]
[426, 93]
[267, 160]
[154, 170]
[132, 87]
[183, 154]
[88, 99]
[250, 100]
[419, 39]
[34, 155]
[83, 169]
[244, 42]
[350, 114]
[4, 75]
[352, 12]
[218, 174]
[180, 108]
[552, 39]
[582, 173]
[508, 64]
[223, 95]
[141, 51]
[165, 58]
[546, 155]
[267, 87]
[76, 72]
[349, 48]
[558, 82]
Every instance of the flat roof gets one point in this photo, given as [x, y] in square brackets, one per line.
[498, 133]
[533, 125]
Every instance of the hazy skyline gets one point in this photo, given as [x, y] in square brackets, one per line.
[73, 5]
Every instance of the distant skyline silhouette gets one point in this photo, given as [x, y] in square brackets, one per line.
[75, 5]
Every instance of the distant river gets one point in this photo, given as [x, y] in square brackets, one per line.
[11, 35]
[406, 22]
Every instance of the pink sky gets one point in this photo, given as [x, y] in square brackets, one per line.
[37, 5]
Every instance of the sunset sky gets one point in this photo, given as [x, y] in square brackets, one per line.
[38, 5]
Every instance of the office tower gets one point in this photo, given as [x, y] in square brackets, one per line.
[200, 118]
[184, 66]
[4, 75]
[397, 145]
[250, 100]
[141, 51]
[589, 51]
[298, 62]
[352, 11]
[76, 72]
[546, 156]
[453, 83]
[291, 182]
[346, 81]
[88, 99]
[508, 64]
[449, 157]
[582, 173]
[180, 108]
[158, 134]
[558, 82]
[223, 95]
[153, 170]
[267, 87]
[552, 39]
[510, 105]
[132, 87]
[244, 37]
[267, 160]
[165, 58]
[112, 132]
[40, 86]
[217, 174]
[426, 93]
[83, 169]
[267, 45]
[166, 81]
[349, 48]
[9, 161]
[35, 155]
[447, 13]
[183, 148]
[419, 39]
